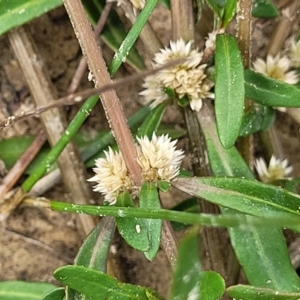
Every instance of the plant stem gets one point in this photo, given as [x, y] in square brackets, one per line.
[110, 102]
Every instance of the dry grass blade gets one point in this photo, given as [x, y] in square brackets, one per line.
[72, 168]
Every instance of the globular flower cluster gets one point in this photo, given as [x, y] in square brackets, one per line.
[158, 158]
[188, 79]
[277, 169]
[295, 54]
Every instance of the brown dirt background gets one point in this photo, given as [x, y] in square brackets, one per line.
[34, 242]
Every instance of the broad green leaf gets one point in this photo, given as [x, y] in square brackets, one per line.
[264, 9]
[259, 117]
[113, 32]
[186, 278]
[270, 92]
[95, 248]
[20, 290]
[229, 89]
[149, 198]
[247, 196]
[57, 294]
[152, 121]
[133, 230]
[246, 292]
[212, 285]
[97, 285]
[259, 243]
[230, 10]
[18, 12]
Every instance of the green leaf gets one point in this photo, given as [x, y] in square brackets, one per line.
[94, 251]
[247, 196]
[149, 198]
[95, 248]
[186, 279]
[152, 121]
[128, 42]
[270, 92]
[217, 6]
[133, 230]
[258, 118]
[113, 32]
[254, 244]
[164, 185]
[264, 9]
[230, 10]
[57, 294]
[212, 285]
[20, 290]
[97, 285]
[229, 89]
[246, 292]
[18, 12]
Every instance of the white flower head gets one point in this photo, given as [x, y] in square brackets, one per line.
[159, 158]
[211, 40]
[112, 176]
[276, 170]
[186, 79]
[276, 67]
[295, 54]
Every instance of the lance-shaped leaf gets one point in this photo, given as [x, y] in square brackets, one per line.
[229, 12]
[270, 92]
[149, 198]
[247, 196]
[18, 12]
[97, 285]
[20, 290]
[133, 230]
[229, 89]
[246, 292]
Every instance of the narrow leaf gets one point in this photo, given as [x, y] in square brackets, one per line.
[133, 230]
[149, 199]
[217, 6]
[246, 292]
[18, 12]
[97, 285]
[152, 121]
[243, 195]
[229, 89]
[230, 10]
[94, 250]
[186, 279]
[270, 92]
[20, 290]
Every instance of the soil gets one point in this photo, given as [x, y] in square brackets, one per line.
[35, 242]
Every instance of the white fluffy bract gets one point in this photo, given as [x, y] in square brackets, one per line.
[277, 169]
[186, 79]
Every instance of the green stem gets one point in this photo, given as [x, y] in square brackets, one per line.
[182, 217]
